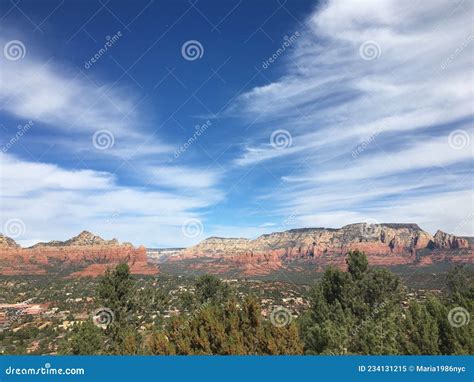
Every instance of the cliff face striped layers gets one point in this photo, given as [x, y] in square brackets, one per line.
[316, 248]
[84, 255]
[384, 244]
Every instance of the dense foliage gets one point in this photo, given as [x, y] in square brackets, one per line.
[219, 324]
[362, 311]
[366, 311]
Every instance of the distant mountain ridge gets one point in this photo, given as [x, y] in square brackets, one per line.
[393, 236]
[385, 244]
[85, 238]
[83, 255]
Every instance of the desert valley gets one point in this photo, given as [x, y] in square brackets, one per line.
[57, 297]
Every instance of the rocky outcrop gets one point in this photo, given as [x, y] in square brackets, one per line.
[83, 255]
[446, 241]
[6, 242]
[385, 245]
[84, 239]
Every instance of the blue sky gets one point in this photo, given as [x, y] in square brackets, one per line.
[309, 114]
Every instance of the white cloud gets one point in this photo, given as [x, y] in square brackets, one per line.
[183, 177]
[330, 92]
[56, 203]
[18, 178]
[400, 105]
[425, 154]
[75, 103]
[431, 213]
[45, 92]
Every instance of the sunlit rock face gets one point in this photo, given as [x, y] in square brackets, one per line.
[84, 255]
[384, 244]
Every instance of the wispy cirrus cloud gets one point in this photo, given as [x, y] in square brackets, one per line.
[183, 177]
[71, 107]
[73, 200]
[71, 102]
[390, 81]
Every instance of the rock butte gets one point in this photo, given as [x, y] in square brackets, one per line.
[84, 255]
[384, 244]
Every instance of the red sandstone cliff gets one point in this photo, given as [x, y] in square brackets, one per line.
[84, 255]
[384, 244]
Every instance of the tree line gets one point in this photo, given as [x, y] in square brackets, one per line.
[365, 310]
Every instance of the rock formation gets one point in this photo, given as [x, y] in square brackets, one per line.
[6, 242]
[84, 255]
[85, 238]
[446, 241]
[384, 244]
